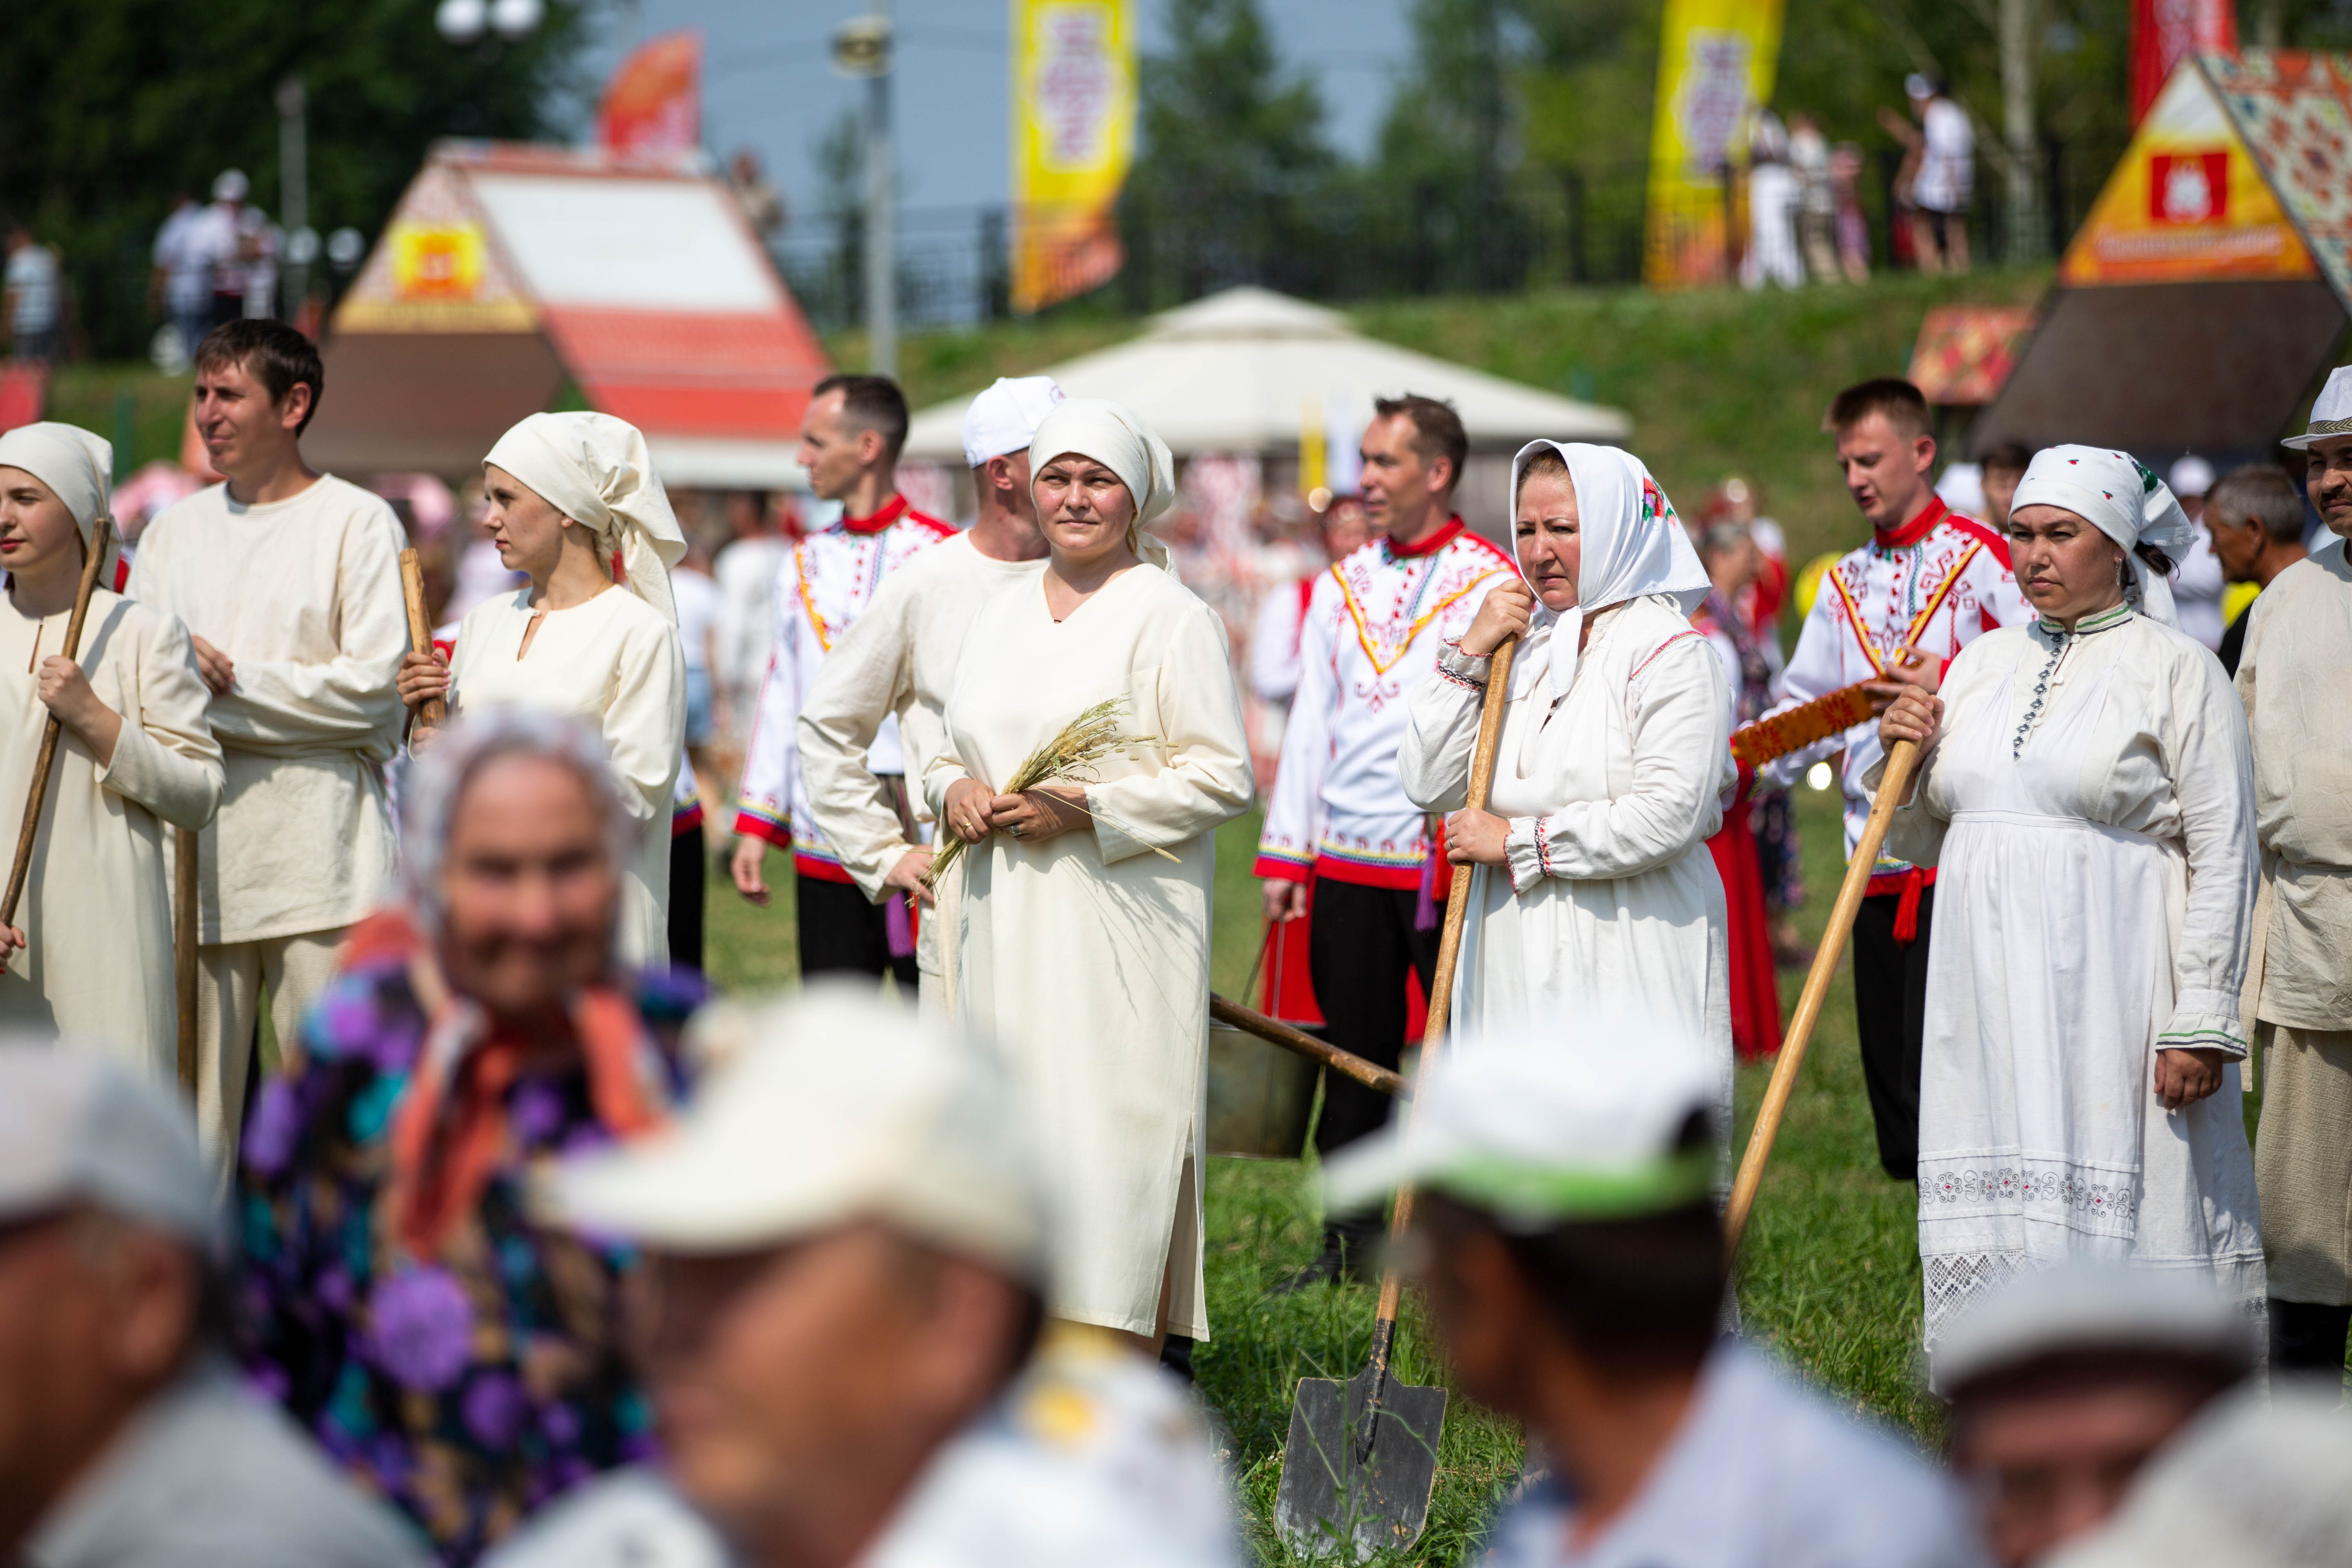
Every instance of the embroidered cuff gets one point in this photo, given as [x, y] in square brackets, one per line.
[1464, 670]
[1527, 853]
[751, 822]
[2197, 1025]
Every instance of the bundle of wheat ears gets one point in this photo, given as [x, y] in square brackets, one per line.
[1068, 757]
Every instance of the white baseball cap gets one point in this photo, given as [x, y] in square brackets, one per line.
[836, 1106]
[2091, 1309]
[1548, 1122]
[77, 1128]
[231, 185]
[1005, 418]
[2190, 476]
[2331, 415]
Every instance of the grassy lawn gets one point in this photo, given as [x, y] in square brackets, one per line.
[1831, 1276]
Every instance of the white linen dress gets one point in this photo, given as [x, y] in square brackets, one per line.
[613, 664]
[2089, 807]
[97, 903]
[1088, 955]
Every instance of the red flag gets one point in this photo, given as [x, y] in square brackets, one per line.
[653, 105]
[2166, 32]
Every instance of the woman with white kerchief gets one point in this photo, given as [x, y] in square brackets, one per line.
[2086, 792]
[575, 504]
[1594, 890]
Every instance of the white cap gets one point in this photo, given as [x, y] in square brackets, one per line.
[2190, 476]
[2331, 413]
[2261, 1480]
[2091, 1309]
[76, 1128]
[1548, 1122]
[1005, 418]
[1916, 85]
[230, 185]
[838, 1106]
[1961, 488]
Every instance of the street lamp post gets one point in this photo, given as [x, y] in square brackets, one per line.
[861, 48]
[294, 192]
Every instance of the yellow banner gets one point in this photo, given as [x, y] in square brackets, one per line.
[1715, 64]
[1073, 141]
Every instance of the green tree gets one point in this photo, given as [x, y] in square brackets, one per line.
[113, 106]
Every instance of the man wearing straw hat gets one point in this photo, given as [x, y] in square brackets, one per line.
[288, 583]
[899, 660]
[2299, 977]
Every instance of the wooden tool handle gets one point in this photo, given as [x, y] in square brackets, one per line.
[1900, 761]
[1250, 1021]
[1449, 956]
[93, 564]
[432, 713]
[183, 947]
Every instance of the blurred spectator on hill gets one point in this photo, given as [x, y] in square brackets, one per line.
[1771, 209]
[1999, 471]
[763, 206]
[2254, 517]
[1946, 179]
[2197, 581]
[181, 284]
[1852, 227]
[1808, 161]
[35, 298]
[240, 244]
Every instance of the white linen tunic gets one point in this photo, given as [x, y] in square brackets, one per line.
[97, 908]
[2090, 808]
[613, 664]
[1610, 905]
[1088, 955]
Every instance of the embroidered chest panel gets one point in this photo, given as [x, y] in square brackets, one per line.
[1388, 602]
[839, 573]
[1891, 597]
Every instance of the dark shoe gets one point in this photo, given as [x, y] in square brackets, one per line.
[1176, 1357]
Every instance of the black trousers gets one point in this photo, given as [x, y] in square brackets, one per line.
[843, 933]
[689, 870]
[1359, 950]
[1890, 1014]
[2308, 1336]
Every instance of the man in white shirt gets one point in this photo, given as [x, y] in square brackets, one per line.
[288, 581]
[182, 284]
[32, 288]
[1338, 821]
[1947, 176]
[899, 661]
[849, 444]
[745, 569]
[2197, 578]
[1931, 580]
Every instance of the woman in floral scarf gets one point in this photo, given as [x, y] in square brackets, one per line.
[460, 1361]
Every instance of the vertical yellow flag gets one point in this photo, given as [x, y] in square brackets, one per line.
[1715, 64]
[1073, 141]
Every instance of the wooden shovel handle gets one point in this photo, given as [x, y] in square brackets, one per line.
[93, 562]
[1900, 761]
[432, 713]
[183, 947]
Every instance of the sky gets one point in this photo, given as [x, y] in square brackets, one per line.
[768, 83]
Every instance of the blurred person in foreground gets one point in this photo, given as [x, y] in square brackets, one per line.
[899, 661]
[436, 1341]
[125, 1440]
[2254, 517]
[2085, 790]
[288, 583]
[848, 1240]
[1576, 1272]
[2197, 576]
[2299, 706]
[2065, 1383]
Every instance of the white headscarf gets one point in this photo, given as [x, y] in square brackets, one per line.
[77, 467]
[596, 470]
[2122, 499]
[1632, 544]
[1112, 436]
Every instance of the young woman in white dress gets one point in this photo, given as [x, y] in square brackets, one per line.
[2086, 792]
[1594, 892]
[90, 955]
[574, 503]
[1075, 944]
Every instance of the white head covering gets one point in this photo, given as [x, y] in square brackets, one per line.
[2122, 499]
[1005, 418]
[74, 465]
[1112, 436]
[1632, 544]
[596, 470]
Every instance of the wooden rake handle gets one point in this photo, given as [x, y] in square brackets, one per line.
[434, 712]
[1900, 763]
[1273, 1032]
[93, 564]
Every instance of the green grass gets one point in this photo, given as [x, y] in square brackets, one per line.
[1831, 1278]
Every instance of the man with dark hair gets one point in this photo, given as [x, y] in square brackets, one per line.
[288, 581]
[1930, 583]
[2003, 466]
[1338, 822]
[2254, 516]
[1576, 1272]
[849, 444]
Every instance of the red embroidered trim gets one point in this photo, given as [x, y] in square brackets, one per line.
[1905, 535]
[1662, 647]
[1429, 546]
[884, 516]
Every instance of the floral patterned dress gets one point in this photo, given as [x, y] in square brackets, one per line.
[468, 1388]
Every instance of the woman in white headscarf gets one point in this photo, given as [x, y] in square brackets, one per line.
[1594, 892]
[1081, 939]
[574, 503]
[90, 954]
[2086, 794]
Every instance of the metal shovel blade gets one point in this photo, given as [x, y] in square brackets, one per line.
[1336, 1488]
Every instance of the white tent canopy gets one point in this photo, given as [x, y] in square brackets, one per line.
[1238, 371]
